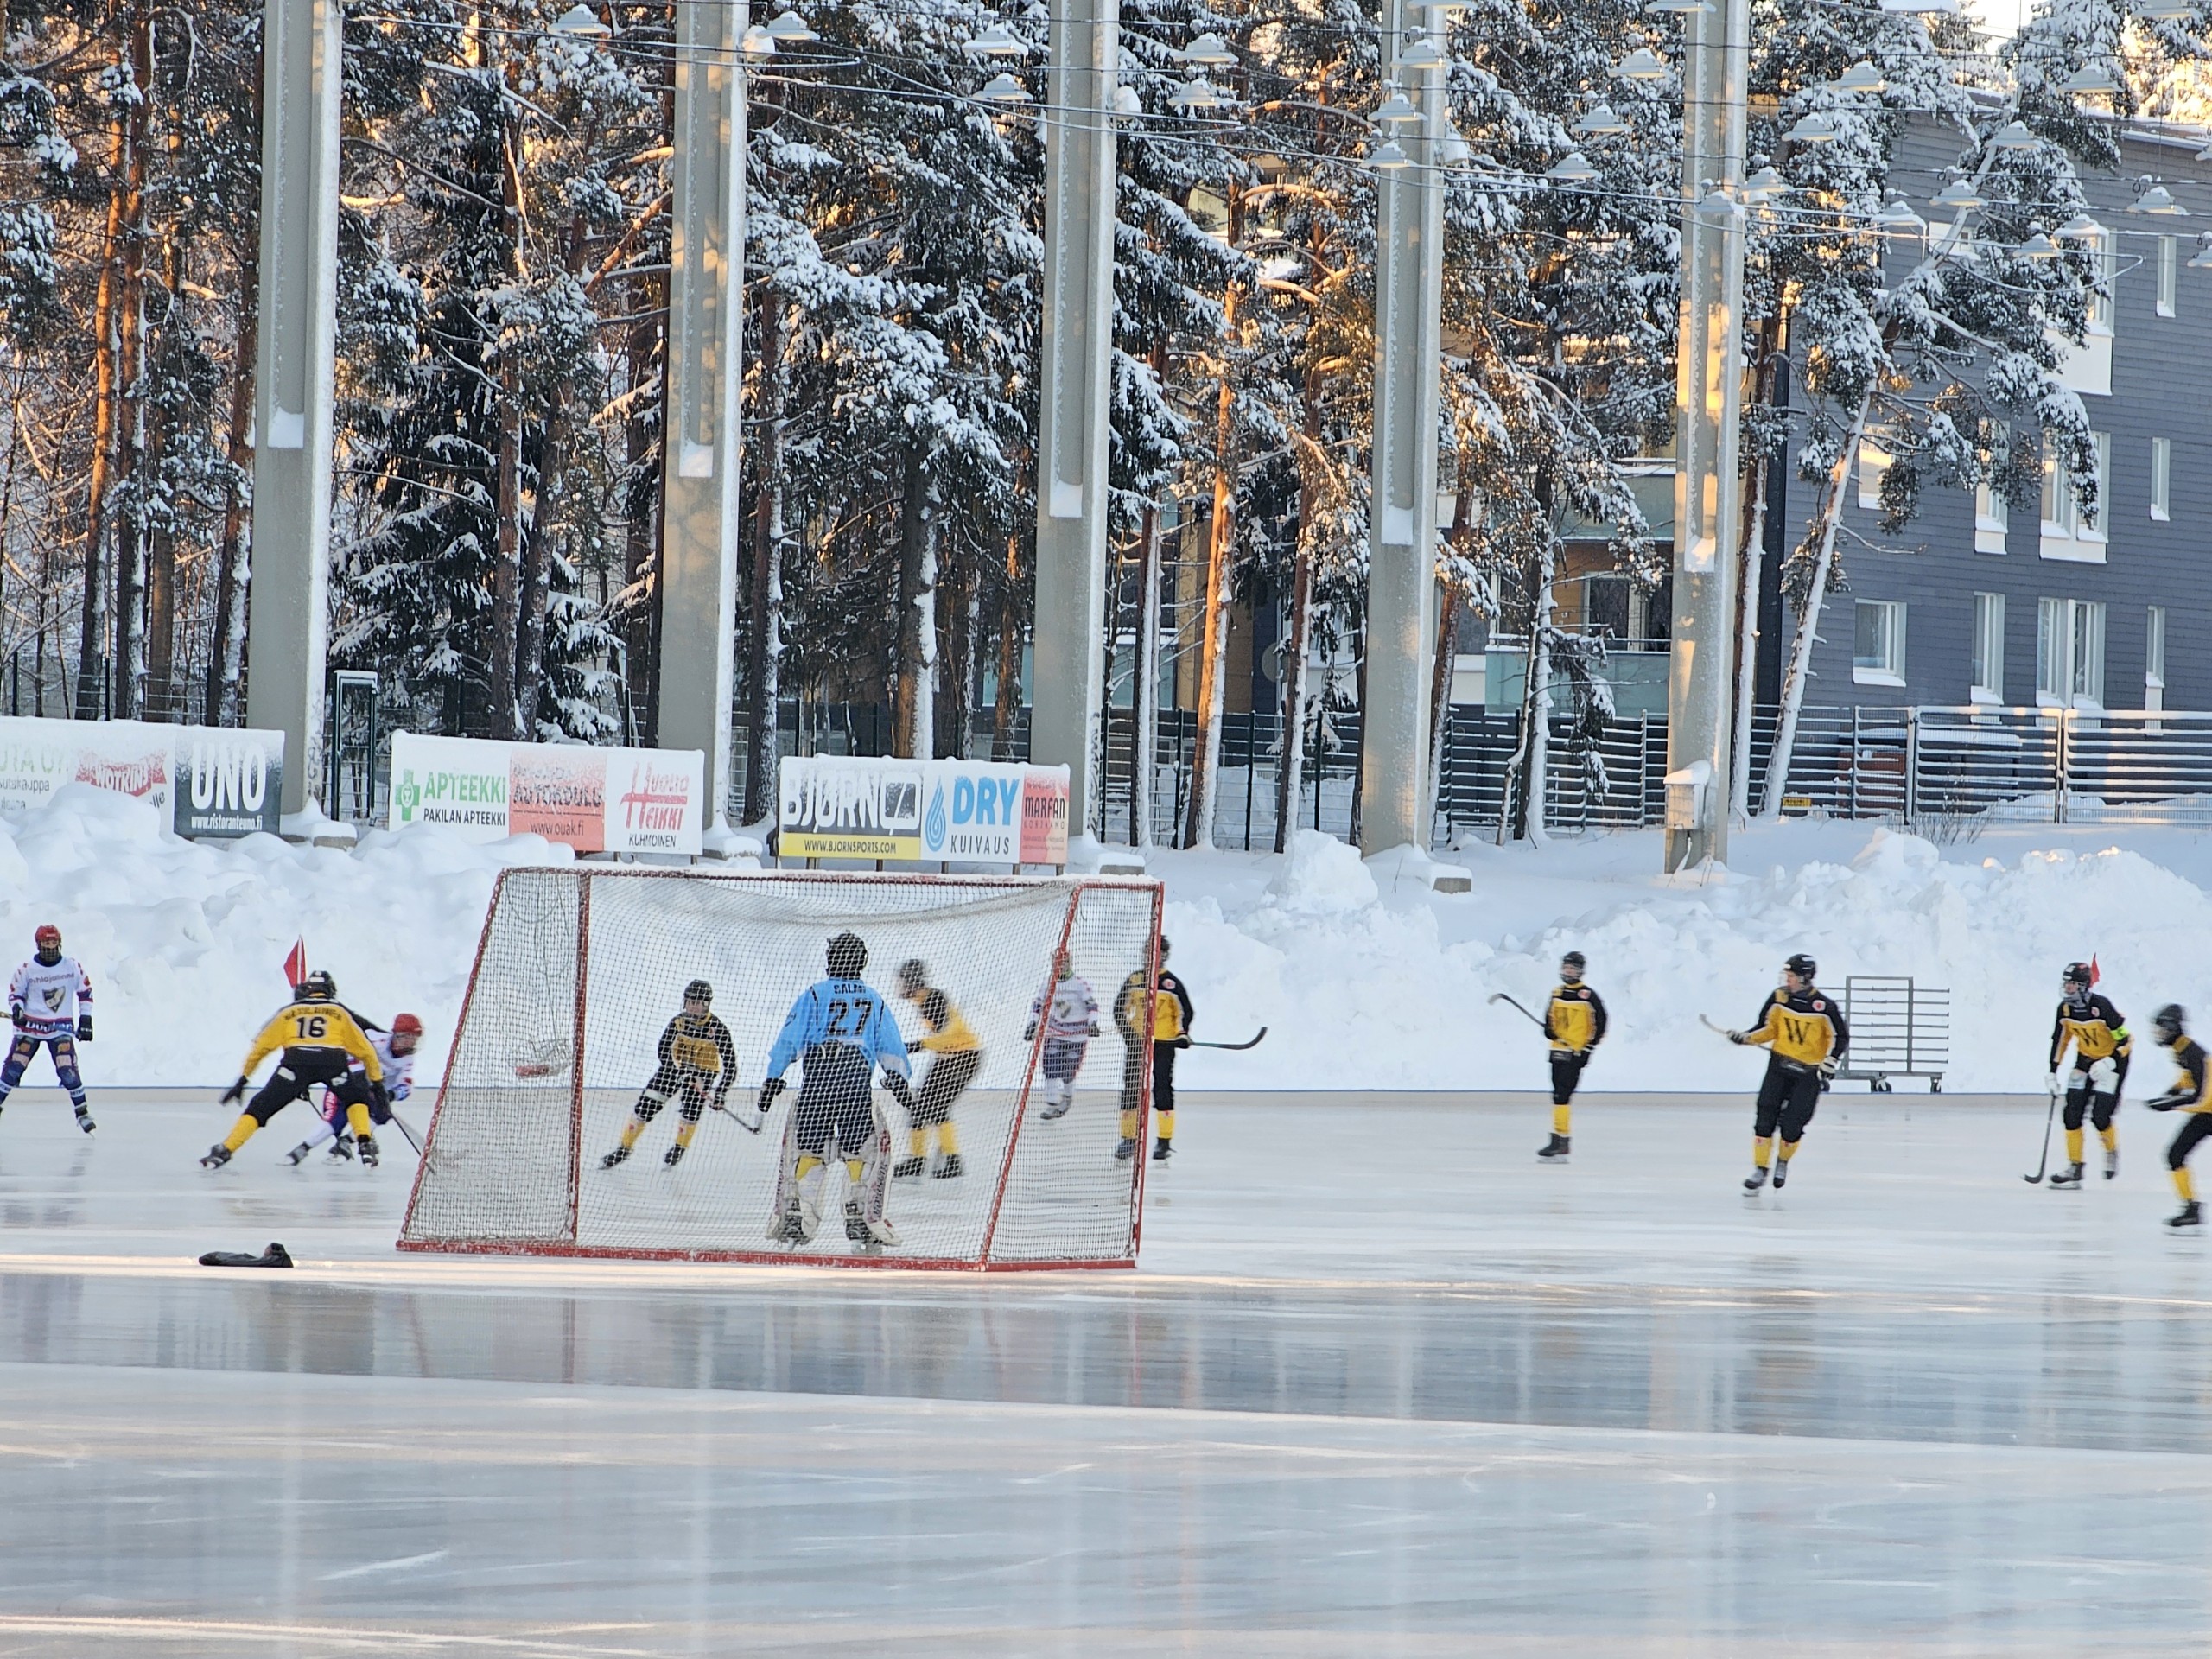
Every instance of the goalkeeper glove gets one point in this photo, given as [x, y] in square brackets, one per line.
[235, 1093]
[769, 1090]
[84, 1028]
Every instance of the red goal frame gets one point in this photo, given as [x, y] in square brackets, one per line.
[1074, 888]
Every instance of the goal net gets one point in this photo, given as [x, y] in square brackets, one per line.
[565, 1041]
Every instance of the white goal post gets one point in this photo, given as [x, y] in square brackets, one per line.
[564, 1043]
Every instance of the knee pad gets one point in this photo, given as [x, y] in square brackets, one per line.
[693, 1107]
[70, 1077]
[2104, 1076]
[2077, 1101]
[648, 1106]
[2101, 1109]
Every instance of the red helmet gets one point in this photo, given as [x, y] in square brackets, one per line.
[406, 1025]
[47, 935]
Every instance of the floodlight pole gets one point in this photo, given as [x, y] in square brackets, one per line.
[1069, 638]
[1395, 786]
[288, 631]
[1709, 398]
[699, 448]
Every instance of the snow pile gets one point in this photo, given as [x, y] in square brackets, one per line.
[186, 940]
[1362, 984]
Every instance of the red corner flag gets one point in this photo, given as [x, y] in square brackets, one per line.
[2094, 976]
[296, 964]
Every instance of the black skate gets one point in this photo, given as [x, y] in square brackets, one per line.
[83, 1120]
[342, 1149]
[614, 1157]
[2188, 1216]
[368, 1146]
[906, 1168]
[1127, 1150]
[1554, 1149]
[790, 1226]
[855, 1223]
[2070, 1176]
[298, 1154]
[218, 1155]
[951, 1169]
[1162, 1151]
[1755, 1180]
[674, 1155]
[1781, 1173]
[2112, 1162]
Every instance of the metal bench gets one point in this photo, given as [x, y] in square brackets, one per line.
[1899, 1029]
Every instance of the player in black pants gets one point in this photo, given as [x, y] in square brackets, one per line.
[1163, 1014]
[1804, 1035]
[2188, 1096]
[1575, 1023]
[2098, 1034]
[696, 1064]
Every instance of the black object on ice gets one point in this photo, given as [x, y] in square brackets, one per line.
[274, 1257]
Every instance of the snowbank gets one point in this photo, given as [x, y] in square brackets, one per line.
[1361, 987]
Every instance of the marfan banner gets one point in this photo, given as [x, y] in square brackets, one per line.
[593, 799]
[921, 812]
[212, 781]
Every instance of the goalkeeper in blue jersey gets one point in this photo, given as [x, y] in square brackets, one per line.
[840, 1031]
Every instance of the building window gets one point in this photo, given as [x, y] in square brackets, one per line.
[1878, 652]
[2154, 658]
[2162, 471]
[2070, 653]
[1988, 684]
[2064, 523]
[1873, 461]
[1991, 511]
[2106, 265]
[2169, 269]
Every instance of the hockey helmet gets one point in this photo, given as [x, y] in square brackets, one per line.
[848, 956]
[914, 974]
[317, 986]
[1803, 966]
[2078, 973]
[1163, 947]
[699, 991]
[2168, 1022]
[49, 941]
[406, 1025]
[1572, 963]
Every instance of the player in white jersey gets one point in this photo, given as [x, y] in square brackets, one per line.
[1069, 1013]
[50, 999]
[395, 1048]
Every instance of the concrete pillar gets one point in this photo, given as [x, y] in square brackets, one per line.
[1395, 784]
[1709, 481]
[699, 529]
[1065, 723]
[289, 609]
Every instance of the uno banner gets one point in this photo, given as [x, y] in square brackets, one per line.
[921, 812]
[593, 799]
[212, 781]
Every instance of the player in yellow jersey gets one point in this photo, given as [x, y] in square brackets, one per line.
[695, 1063]
[1161, 1015]
[1575, 1024]
[2089, 1023]
[321, 1044]
[1804, 1035]
[955, 1054]
[2187, 1095]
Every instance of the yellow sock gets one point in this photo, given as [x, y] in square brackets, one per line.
[947, 1141]
[808, 1163]
[1166, 1123]
[241, 1132]
[918, 1143]
[1762, 1150]
[2073, 1146]
[357, 1119]
[853, 1167]
[1559, 1115]
[631, 1130]
[1789, 1150]
[2184, 1185]
[684, 1131]
[2110, 1135]
[1129, 1126]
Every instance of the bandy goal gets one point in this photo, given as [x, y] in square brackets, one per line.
[601, 1095]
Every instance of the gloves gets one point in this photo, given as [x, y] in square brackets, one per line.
[1029, 1034]
[1737, 1038]
[235, 1093]
[16, 1013]
[398, 1093]
[84, 1028]
[2164, 1102]
[376, 1095]
[1182, 1042]
[767, 1098]
[2056, 1087]
[1830, 1067]
[1094, 1027]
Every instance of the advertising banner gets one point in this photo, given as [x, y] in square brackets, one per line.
[212, 781]
[593, 799]
[921, 812]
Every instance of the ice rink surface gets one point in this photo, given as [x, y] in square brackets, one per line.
[1382, 1385]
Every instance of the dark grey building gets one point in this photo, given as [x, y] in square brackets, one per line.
[1972, 602]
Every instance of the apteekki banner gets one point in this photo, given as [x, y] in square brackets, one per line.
[212, 781]
[921, 812]
[595, 800]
